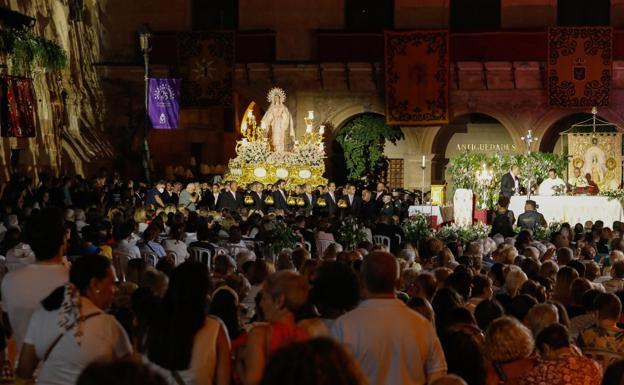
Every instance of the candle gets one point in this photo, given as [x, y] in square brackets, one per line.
[244, 141]
[310, 114]
[263, 125]
[308, 129]
[249, 113]
[423, 162]
[296, 142]
[322, 130]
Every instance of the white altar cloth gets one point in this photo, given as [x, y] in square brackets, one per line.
[443, 213]
[572, 209]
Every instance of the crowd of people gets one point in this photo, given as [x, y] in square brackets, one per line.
[107, 282]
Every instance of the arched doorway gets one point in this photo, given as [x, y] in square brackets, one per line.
[335, 164]
[552, 142]
[475, 132]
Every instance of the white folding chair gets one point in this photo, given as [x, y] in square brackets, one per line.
[190, 238]
[398, 238]
[381, 240]
[251, 245]
[201, 255]
[150, 258]
[172, 254]
[307, 245]
[120, 265]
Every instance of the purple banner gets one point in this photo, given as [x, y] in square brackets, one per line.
[164, 103]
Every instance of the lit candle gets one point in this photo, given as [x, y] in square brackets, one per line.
[308, 129]
[423, 162]
[310, 114]
[244, 141]
[322, 130]
[322, 146]
[263, 125]
[249, 114]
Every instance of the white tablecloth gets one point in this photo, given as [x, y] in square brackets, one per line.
[443, 213]
[572, 209]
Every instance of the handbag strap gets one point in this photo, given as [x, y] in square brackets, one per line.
[177, 377]
[60, 336]
[500, 372]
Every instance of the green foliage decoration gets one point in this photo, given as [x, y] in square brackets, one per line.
[281, 237]
[463, 168]
[363, 141]
[351, 232]
[27, 51]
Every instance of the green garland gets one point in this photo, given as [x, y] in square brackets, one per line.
[462, 170]
[281, 237]
[26, 51]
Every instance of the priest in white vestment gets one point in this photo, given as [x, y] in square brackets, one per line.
[551, 185]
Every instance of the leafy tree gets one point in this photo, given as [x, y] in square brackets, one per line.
[363, 141]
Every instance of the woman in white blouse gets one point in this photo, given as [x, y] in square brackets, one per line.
[71, 329]
[175, 243]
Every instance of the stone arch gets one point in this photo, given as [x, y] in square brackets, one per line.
[547, 132]
[438, 141]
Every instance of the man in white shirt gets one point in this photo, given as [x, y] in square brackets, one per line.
[551, 185]
[401, 346]
[23, 289]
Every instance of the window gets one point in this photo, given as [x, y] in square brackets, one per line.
[583, 12]
[475, 15]
[369, 15]
[215, 14]
[395, 173]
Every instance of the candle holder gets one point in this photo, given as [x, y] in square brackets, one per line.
[484, 180]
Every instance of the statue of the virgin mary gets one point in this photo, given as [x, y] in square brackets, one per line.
[279, 120]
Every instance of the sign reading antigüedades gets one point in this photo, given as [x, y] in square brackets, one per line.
[164, 103]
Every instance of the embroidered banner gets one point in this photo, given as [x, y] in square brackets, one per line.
[417, 77]
[598, 157]
[164, 102]
[579, 66]
[206, 63]
[18, 109]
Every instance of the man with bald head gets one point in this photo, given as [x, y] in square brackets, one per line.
[392, 343]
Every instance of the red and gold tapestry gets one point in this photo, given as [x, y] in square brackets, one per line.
[206, 63]
[18, 107]
[579, 66]
[417, 77]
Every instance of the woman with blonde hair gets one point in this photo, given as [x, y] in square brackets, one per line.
[140, 217]
[283, 293]
[561, 293]
[509, 348]
[514, 279]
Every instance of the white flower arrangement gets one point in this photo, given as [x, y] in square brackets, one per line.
[254, 152]
[279, 158]
[308, 154]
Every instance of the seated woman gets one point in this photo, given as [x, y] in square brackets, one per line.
[561, 363]
[176, 244]
[509, 348]
[149, 244]
[283, 293]
[185, 345]
[71, 329]
[503, 219]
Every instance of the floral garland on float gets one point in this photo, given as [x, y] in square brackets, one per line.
[257, 161]
[417, 228]
[464, 234]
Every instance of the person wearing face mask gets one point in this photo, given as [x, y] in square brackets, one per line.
[154, 195]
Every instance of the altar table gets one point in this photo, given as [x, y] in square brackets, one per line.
[441, 214]
[572, 209]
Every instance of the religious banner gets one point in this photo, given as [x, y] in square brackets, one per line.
[598, 157]
[164, 102]
[18, 109]
[417, 77]
[579, 66]
[206, 63]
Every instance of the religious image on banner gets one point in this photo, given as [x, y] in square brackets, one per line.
[18, 107]
[598, 155]
[579, 66]
[206, 63]
[164, 103]
[417, 77]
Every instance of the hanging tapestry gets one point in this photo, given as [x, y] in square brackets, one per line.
[417, 77]
[579, 66]
[597, 156]
[206, 64]
[164, 102]
[18, 109]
